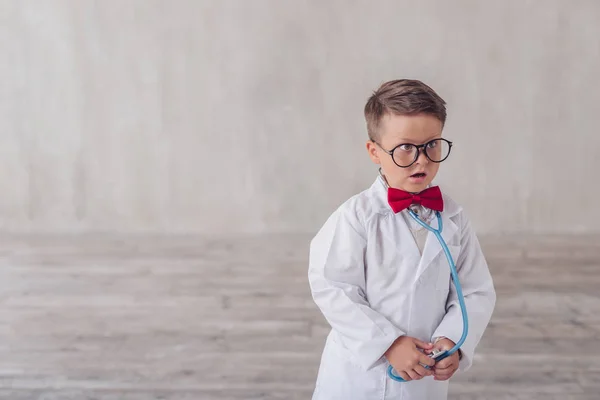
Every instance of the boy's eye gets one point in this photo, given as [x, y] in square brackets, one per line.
[406, 147]
[432, 145]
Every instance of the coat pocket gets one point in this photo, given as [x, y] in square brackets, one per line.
[341, 377]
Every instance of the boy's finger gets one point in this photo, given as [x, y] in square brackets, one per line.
[413, 374]
[442, 377]
[422, 371]
[405, 376]
[426, 360]
[443, 371]
[445, 363]
[423, 345]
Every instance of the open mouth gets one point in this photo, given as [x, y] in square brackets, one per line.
[418, 175]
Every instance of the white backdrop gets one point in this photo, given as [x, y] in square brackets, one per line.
[246, 116]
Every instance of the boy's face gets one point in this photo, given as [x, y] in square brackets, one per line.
[401, 129]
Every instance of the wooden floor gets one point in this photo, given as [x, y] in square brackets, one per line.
[174, 318]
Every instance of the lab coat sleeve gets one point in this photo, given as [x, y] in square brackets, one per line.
[479, 293]
[337, 280]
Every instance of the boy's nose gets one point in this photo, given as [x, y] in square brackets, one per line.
[422, 158]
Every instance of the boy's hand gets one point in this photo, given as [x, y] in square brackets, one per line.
[405, 357]
[444, 369]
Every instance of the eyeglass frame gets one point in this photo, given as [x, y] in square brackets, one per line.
[418, 147]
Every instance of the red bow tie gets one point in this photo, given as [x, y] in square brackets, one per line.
[430, 198]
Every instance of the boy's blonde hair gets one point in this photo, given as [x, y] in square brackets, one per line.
[402, 97]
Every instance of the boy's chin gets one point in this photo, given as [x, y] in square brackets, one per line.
[411, 185]
[415, 187]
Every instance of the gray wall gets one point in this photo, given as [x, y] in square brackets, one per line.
[246, 116]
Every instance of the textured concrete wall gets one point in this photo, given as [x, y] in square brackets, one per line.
[246, 116]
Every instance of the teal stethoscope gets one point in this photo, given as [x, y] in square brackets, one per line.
[461, 299]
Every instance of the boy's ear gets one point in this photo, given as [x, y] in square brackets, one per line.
[372, 150]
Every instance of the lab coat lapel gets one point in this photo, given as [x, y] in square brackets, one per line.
[432, 245]
[407, 247]
[400, 233]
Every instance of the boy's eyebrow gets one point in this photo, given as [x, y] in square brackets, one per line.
[406, 141]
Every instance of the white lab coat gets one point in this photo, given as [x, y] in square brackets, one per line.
[371, 283]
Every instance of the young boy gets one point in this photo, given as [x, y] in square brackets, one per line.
[381, 280]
